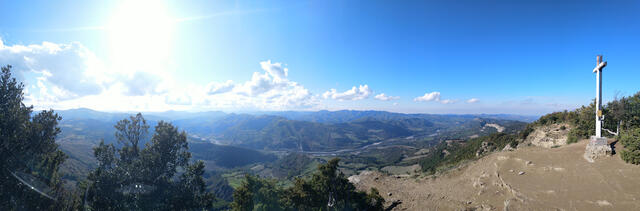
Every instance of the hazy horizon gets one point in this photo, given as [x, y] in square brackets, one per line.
[276, 111]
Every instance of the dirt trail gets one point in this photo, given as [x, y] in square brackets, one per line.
[530, 178]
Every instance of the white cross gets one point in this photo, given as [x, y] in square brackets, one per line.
[599, 117]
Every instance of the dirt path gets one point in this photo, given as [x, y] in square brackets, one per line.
[531, 178]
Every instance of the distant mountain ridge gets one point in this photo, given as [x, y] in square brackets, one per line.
[292, 130]
[326, 116]
[322, 116]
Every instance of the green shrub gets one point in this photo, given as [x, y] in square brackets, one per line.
[573, 136]
[327, 189]
[525, 133]
[630, 139]
[632, 157]
[583, 122]
[555, 117]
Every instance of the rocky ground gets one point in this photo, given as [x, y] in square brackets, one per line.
[549, 135]
[529, 178]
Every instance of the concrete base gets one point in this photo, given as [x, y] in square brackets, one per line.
[598, 141]
[597, 147]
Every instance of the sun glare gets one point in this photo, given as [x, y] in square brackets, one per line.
[140, 35]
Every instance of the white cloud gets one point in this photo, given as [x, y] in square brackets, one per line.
[214, 88]
[69, 75]
[385, 97]
[473, 100]
[448, 101]
[433, 96]
[270, 89]
[70, 69]
[359, 93]
[260, 83]
[275, 69]
[66, 76]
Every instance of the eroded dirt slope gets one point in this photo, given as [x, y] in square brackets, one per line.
[530, 178]
[549, 135]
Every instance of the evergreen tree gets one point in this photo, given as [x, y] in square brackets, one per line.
[29, 156]
[257, 194]
[328, 189]
[583, 121]
[630, 139]
[132, 179]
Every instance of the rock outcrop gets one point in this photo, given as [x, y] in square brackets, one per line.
[485, 147]
[549, 135]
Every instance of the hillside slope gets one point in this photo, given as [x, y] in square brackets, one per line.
[556, 178]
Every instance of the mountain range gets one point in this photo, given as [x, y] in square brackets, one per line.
[291, 130]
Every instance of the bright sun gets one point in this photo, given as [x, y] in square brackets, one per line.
[140, 34]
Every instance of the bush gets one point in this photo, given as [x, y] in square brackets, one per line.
[630, 139]
[327, 189]
[525, 133]
[555, 117]
[573, 136]
[583, 123]
[632, 157]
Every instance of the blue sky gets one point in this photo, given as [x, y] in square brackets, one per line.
[523, 57]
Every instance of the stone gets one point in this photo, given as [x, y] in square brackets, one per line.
[445, 152]
[508, 148]
[389, 194]
[483, 207]
[521, 173]
[485, 147]
[598, 147]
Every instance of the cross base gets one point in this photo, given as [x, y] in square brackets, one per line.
[598, 147]
[598, 141]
